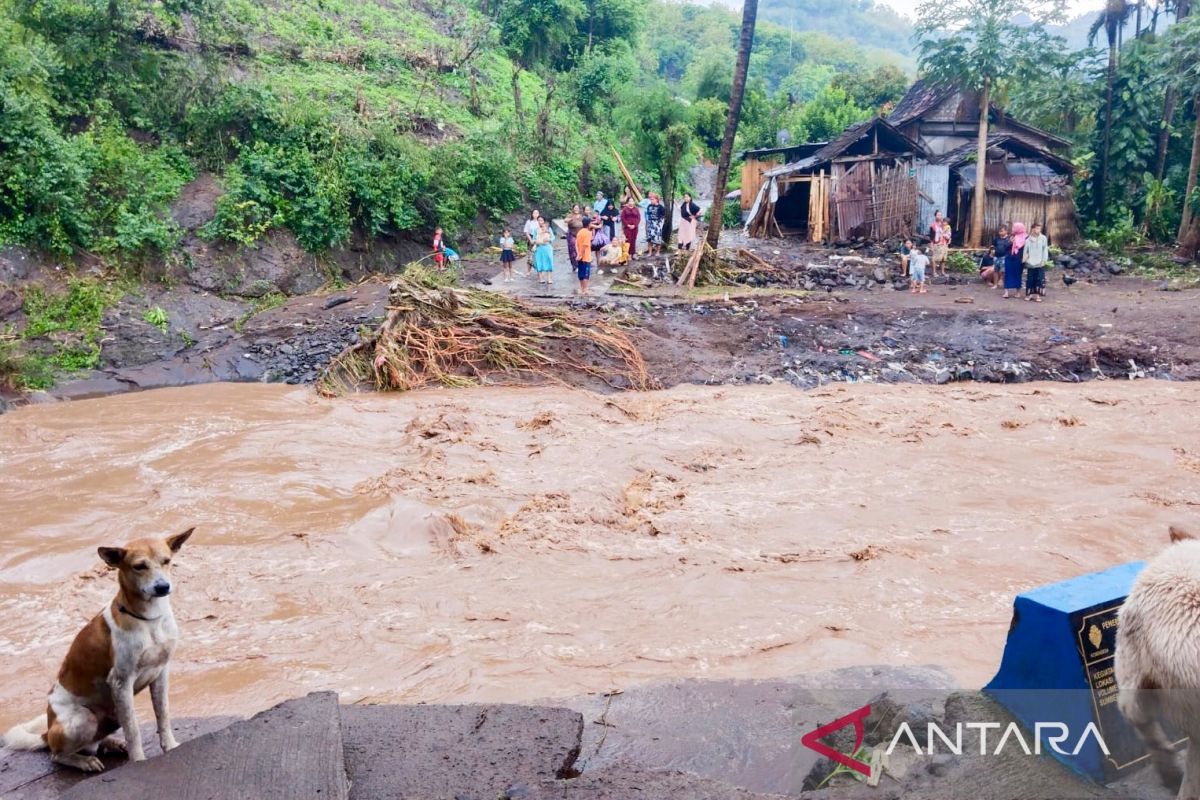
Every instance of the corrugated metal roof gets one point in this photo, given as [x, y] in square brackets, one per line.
[1009, 144]
[901, 144]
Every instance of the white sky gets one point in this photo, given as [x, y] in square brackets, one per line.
[909, 7]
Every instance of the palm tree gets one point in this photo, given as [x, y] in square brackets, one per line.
[745, 42]
[972, 45]
[1111, 20]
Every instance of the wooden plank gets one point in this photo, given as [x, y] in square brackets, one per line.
[637, 195]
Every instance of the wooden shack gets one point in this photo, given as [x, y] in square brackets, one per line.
[945, 121]
[943, 118]
[1024, 183]
[756, 162]
[861, 184]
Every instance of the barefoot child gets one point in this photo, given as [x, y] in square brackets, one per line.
[506, 254]
[583, 248]
[917, 262]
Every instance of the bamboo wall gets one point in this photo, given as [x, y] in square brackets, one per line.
[1055, 213]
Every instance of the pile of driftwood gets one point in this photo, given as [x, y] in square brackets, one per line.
[444, 334]
[707, 267]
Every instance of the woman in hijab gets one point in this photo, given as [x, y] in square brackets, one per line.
[689, 213]
[1013, 266]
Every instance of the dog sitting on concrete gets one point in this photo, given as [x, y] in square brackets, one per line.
[1158, 659]
[124, 649]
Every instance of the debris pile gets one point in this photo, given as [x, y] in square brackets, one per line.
[444, 334]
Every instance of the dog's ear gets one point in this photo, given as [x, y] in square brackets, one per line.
[113, 556]
[175, 542]
[1180, 535]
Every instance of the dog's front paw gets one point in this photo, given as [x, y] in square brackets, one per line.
[136, 754]
[168, 743]
[91, 764]
[111, 746]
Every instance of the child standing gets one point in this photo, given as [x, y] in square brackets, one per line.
[583, 249]
[507, 257]
[917, 262]
[1037, 255]
[439, 250]
[905, 251]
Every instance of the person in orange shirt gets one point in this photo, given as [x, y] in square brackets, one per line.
[583, 252]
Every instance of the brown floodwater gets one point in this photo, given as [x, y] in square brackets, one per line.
[512, 544]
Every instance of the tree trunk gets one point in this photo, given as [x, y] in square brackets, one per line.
[1102, 177]
[1137, 25]
[1189, 228]
[667, 181]
[979, 204]
[1169, 104]
[591, 24]
[745, 42]
[543, 118]
[1164, 133]
[516, 90]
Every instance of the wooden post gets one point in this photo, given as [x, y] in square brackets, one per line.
[637, 195]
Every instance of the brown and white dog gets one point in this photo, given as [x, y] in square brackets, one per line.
[124, 649]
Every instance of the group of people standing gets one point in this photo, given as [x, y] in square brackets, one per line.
[1022, 252]
[1011, 258]
[591, 231]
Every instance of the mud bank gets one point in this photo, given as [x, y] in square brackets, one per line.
[960, 332]
[511, 544]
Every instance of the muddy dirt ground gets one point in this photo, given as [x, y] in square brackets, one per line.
[962, 331]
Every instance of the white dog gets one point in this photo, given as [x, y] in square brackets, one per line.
[1158, 659]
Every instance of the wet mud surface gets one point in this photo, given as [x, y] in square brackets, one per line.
[1123, 328]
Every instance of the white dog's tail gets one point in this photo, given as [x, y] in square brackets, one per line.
[28, 735]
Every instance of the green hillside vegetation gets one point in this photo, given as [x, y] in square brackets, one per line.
[866, 22]
[387, 117]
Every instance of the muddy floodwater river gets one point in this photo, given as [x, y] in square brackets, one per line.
[514, 544]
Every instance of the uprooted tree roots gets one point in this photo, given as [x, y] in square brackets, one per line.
[453, 336]
[708, 267]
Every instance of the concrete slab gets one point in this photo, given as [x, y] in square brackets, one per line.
[291, 751]
[625, 782]
[32, 776]
[474, 751]
[745, 733]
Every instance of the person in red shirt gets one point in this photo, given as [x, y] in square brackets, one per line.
[631, 218]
